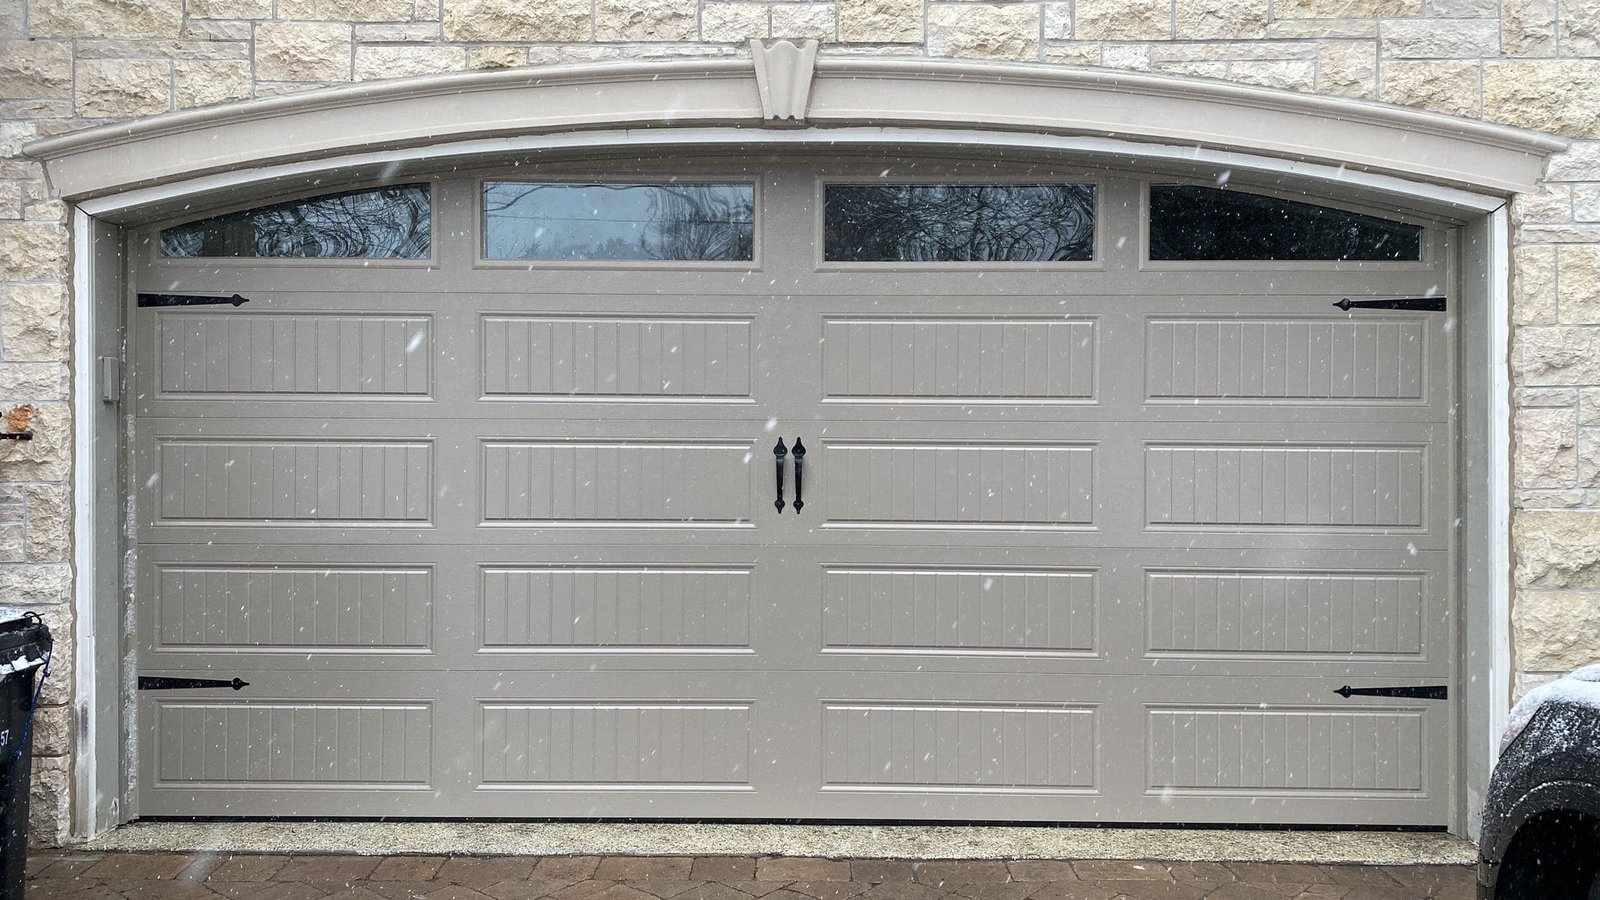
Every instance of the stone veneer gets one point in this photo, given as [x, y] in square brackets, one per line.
[71, 64]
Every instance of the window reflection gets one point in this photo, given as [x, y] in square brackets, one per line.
[548, 221]
[386, 223]
[1189, 222]
[959, 222]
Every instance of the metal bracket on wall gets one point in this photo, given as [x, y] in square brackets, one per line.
[1418, 304]
[1426, 692]
[190, 300]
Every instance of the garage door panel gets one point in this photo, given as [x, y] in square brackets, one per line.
[1303, 359]
[380, 354]
[293, 482]
[1208, 751]
[612, 745]
[243, 744]
[641, 483]
[1000, 748]
[576, 358]
[242, 354]
[1303, 614]
[1313, 486]
[956, 360]
[971, 611]
[956, 484]
[251, 607]
[616, 608]
[1048, 609]
[1286, 745]
[450, 608]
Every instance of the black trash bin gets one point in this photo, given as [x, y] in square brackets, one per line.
[24, 661]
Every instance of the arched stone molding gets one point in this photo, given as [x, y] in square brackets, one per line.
[783, 86]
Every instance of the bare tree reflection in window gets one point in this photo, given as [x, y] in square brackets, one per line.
[1193, 222]
[385, 223]
[551, 221]
[959, 222]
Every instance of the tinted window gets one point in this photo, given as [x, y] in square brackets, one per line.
[386, 223]
[1201, 223]
[619, 221]
[958, 222]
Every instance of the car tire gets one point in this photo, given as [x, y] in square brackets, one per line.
[1555, 856]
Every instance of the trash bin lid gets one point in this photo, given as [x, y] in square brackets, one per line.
[24, 640]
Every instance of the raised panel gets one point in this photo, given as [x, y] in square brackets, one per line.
[301, 481]
[1000, 748]
[1284, 358]
[615, 608]
[1287, 751]
[959, 485]
[293, 355]
[294, 608]
[1304, 614]
[1000, 611]
[1333, 486]
[687, 483]
[595, 358]
[959, 360]
[575, 744]
[245, 744]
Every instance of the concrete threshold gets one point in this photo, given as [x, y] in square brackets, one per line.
[833, 841]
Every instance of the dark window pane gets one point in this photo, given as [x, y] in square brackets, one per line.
[386, 223]
[1201, 223]
[959, 222]
[619, 221]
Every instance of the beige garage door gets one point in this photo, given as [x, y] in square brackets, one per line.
[1103, 499]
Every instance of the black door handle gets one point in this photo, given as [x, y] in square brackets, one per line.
[778, 453]
[799, 475]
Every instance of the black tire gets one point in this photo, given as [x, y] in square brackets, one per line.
[1555, 856]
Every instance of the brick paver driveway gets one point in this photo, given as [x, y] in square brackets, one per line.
[166, 876]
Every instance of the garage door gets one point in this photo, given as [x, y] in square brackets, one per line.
[493, 492]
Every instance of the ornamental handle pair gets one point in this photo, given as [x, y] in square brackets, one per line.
[779, 452]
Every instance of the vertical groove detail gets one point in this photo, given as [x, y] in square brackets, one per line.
[288, 354]
[1319, 750]
[1281, 612]
[958, 359]
[979, 748]
[1050, 610]
[595, 608]
[259, 745]
[1290, 359]
[1327, 486]
[581, 743]
[578, 357]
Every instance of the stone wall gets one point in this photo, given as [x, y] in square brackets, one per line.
[70, 64]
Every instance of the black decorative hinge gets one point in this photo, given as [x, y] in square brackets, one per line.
[190, 300]
[160, 683]
[1426, 692]
[16, 435]
[1419, 304]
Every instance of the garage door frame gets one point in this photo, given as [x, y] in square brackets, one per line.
[124, 199]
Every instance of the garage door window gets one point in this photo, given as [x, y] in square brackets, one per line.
[386, 223]
[600, 222]
[1194, 223]
[958, 222]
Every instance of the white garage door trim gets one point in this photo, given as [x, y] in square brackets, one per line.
[843, 92]
[98, 279]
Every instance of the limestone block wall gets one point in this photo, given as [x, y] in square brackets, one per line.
[72, 64]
